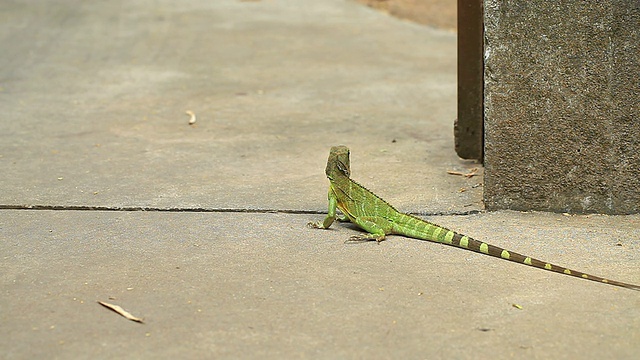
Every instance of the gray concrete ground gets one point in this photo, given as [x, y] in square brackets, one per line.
[92, 102]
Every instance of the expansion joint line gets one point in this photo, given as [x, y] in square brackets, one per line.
[199, 209]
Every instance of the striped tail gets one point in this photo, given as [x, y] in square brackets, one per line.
[424, 230]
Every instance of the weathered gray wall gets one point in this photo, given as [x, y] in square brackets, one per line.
[562, 105]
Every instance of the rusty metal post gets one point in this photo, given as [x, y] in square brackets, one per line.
[469, 131]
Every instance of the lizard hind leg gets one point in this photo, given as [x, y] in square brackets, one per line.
[377, 228]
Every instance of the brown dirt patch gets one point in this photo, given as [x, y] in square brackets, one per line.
[437, 13]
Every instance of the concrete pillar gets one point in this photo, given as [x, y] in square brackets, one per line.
[562, 105]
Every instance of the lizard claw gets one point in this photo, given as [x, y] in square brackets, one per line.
[314, 225]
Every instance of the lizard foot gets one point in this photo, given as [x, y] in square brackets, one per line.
[363, 238]
[315, 225]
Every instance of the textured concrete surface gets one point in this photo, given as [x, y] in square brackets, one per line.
[239, 285]
[92, 116]
[562, 106]
[94, 99]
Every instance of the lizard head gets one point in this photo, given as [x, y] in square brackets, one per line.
[338, 163]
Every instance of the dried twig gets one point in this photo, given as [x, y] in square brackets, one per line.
[121, 311]
[470, 174]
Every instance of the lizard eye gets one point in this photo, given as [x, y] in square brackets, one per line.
[343, 168]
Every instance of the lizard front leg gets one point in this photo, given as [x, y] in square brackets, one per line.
[331, 214]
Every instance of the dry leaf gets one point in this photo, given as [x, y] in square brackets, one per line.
[192, 120]
[121, 311]
[470, 174]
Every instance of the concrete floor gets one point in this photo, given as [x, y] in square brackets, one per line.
[93, 132]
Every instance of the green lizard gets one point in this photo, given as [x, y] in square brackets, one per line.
[378, 218]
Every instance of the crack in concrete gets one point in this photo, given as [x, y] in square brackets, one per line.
[202, 209]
